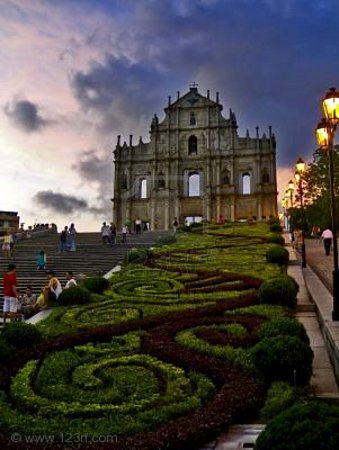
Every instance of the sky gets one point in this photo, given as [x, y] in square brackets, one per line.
[76, 73]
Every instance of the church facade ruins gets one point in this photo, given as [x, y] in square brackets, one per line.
[195, 167]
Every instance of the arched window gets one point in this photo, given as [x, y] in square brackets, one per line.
[143, 188]
[246, 183]
[192, 145]
[192, 119]
[193, 184]
[225, 177]
[123, 181]
[161, 181]
[265, 176]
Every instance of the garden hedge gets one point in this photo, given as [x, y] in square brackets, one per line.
[312, 426]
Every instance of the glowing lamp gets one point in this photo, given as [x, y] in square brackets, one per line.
[300, 165]
[322, 134]
[331, 106]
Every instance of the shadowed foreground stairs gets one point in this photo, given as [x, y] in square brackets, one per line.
[91, 258]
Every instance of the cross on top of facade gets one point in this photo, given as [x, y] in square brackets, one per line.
[194, 85]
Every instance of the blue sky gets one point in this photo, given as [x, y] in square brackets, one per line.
[76, 73]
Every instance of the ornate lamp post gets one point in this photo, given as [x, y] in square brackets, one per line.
[284, 204]
[325, 133]
[299, 173]
[290, 190]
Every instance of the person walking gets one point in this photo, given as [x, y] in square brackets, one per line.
[327, 237]
[10, 306]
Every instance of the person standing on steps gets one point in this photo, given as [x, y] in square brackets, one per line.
[327, 237]
[124, 231]
[105, 234]
[63, 239]
[10, 306]
[71, 238]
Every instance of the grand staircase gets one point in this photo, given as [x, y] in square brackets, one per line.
[91, 258]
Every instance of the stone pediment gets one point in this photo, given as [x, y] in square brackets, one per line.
[192, 99]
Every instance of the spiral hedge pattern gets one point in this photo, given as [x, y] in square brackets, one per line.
[161, 361]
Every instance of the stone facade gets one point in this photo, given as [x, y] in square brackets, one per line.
[195, 167]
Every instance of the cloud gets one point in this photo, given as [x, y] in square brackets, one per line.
[25, 115]
[60, 203]
[93, 169]
[120, 93]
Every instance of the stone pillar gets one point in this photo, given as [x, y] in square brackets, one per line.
[232, 208]
[259, 208]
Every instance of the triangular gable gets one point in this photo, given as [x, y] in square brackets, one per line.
[192, 98]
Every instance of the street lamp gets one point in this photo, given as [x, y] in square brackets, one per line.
[325, 132]
[290, 190]
[299, 174]
[284, 204]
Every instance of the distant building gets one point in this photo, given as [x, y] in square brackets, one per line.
[9, 220]
[195, 167]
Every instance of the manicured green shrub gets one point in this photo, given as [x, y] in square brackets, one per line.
[274, 238]
[284, 358]
[280, 396]
[166, 240]
[312, 426]
[277, 255]
[282, 327]
[278, 291]
[20, 335]
[95, 284]
[138, 255]
[5, 351]
[75, 295]
[275, 227]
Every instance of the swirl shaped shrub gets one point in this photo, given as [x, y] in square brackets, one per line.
[21, 335]
[279, 291]
[283, 326]
[165, 240]
[95, 284]
[75, 295]
[284, 358]
[312, 426]
[73, 389]
[277, 254]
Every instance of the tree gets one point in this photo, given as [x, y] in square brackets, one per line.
[316, 192]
